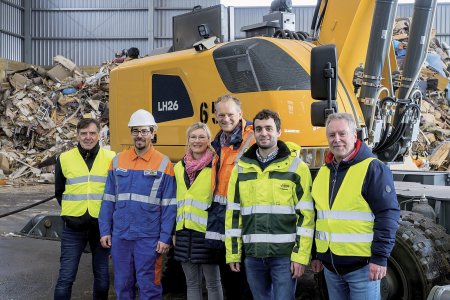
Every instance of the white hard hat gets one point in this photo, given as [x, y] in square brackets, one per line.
[141, 117]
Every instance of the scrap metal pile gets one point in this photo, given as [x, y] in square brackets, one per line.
[432, 150]
[39, 111]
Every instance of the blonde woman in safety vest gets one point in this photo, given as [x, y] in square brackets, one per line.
[80, 176]
[195, 176]
[357, 214]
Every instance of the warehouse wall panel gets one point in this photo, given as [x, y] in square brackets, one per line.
[303, 17]
[11, 29]
[11, 18]
[184, 4]
[164, 11]
[15, 2]
[405, 10]
[88, 31]
[11, 47]
[82, 52]
[88, 4]
[252, 15]
[93, 30]
[244, 16]
[71, 25]
[442, 22]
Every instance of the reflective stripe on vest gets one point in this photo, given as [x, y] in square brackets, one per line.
[150, 199]
[229, 157]
[84, 188]
[211, 235]
[347, 228]
[193, 202]
[83, 179]
[268, 210]
[269, 238]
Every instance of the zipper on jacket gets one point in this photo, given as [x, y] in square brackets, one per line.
[333, 182]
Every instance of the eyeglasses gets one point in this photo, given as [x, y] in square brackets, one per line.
[143, 132]
[200, 138]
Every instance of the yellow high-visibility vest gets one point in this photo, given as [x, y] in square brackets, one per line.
[84, 188]
[192, 203]
[347, 227]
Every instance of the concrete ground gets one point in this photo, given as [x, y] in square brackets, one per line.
[29, 266]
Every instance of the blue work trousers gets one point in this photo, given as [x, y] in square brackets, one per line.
[73, 243]
[136, 261]
[352, 286]
[270, 278]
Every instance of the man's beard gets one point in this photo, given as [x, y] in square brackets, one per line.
[139, 147]
[267, 146]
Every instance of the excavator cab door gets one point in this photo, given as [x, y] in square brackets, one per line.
[323, 83]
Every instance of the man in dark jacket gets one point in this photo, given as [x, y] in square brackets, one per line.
[357, 214]
[234, 138]
[80, 176]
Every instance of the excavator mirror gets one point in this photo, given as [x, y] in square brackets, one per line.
[320, 111]
[323, 83]
[323, 72]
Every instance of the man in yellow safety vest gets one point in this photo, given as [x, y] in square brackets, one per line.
[80, 176]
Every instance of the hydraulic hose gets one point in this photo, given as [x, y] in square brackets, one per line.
[393, 136]
[398, 131]
[26, 207]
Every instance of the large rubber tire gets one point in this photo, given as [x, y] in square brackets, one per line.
[420, 259]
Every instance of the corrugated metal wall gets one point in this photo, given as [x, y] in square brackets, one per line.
[252, 15]
[87, 31]
[165, 10]
[11, 29]
[91, 31]
[441, 21]
[303, 18]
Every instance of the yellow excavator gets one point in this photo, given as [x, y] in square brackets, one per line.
[346, 64]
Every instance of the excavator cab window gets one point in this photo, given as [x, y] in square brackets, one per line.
[258, 65]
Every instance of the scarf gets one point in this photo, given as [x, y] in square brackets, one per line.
[192, 166]
[236, 135]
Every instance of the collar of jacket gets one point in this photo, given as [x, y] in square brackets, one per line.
[250, 155]
[236, 140]
[88, 153]
[146, 156]
[362, 152]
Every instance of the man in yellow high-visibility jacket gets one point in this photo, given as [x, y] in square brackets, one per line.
[357, 214]
[270, 213]
[80, 176]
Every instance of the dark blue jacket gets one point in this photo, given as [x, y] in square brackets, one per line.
[379, 192]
